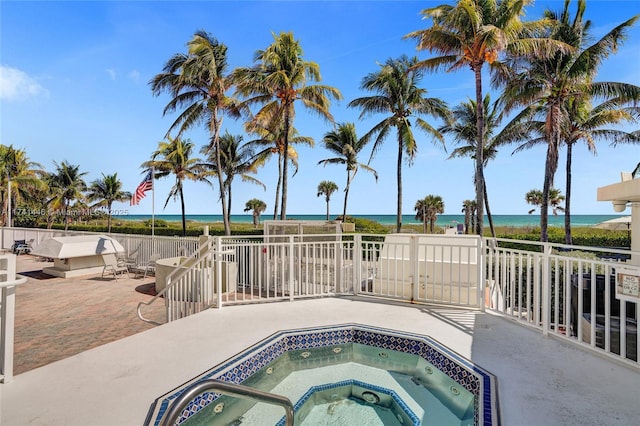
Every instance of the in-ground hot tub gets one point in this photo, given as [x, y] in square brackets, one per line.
[351, 370]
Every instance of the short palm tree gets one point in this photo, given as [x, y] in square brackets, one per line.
[279, 78]
[106, 191]
[468, 35]
[397, 95]
[427, 211]
[326, 188]
[198, 83]
[256, 206]
[344, 143]
[68, 185]
[236, 159]
[173, 157]
[535, 198]
[469, 210]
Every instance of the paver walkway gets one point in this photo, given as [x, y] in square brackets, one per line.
[60, 317]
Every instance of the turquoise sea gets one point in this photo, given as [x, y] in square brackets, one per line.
[390, 219]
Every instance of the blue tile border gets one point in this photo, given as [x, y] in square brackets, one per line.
[478, 381]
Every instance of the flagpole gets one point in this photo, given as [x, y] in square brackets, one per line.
[153, 203]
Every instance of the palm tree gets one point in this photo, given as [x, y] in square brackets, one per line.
[469, 210]
[345, 144]
[271, 141]
[397, 94]
[279, 78]
[174, 157]
[464, 128]
[468, 35]
[428, 209]
[257, 207]
[19, 179]
[535, 198]
[106, 191]
[68, 186]
[236, 160]
[198, 82]
[326, 188]
[547, 87]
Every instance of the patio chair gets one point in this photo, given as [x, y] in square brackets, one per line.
[112, 265]
[151, 265]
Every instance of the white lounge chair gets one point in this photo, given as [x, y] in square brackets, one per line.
[112, 265]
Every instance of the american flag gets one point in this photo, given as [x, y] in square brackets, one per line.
[145, 185]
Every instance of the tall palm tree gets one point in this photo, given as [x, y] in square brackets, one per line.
[19, 179]
[236, 159]
[470, 34]
[257, 207]
[68, 185]
[345, 144]
[535, 198]
[271, 142]
[198, 83]
[546, 87]
[464, 128]
[173, 157]
[398, 96]
[326, 188]
[469, 210]
[106, 191]
[428, 209]
[278, 79]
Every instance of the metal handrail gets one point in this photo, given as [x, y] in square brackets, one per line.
[231, 389]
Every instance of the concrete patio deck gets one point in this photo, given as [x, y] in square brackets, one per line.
[541, 380]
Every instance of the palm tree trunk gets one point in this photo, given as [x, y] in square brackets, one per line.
[327, 199]
[551, 165]
[229, 203]
[285, 165]
[216, 142]
[278, 187]
[399, 213]
[567, 201]
[184, 217]
[346, 195]
[66, 214]
[486, 203]
[479, 175]
[109, 218]
[255, 219]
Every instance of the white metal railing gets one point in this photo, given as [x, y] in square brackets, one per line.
[547, 286]
[426, 268]
[195, 284]
[567, 291]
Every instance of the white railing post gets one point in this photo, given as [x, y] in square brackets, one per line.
[546, 288]
[218, 262]
[357, 263]
[291, 275]
[414, 261]
[8, 285]
[480, 261]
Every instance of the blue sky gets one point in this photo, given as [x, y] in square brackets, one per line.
[74, 87]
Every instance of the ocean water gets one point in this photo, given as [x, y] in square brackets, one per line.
[444, 220]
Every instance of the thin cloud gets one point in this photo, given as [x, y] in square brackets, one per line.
[111, 72]
[134, 76]
[18, 85]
